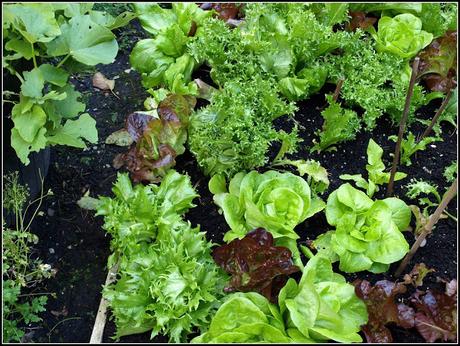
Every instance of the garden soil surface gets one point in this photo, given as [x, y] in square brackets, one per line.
[73, 242]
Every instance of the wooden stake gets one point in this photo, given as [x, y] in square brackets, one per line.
[337, 89]
[402, 126]
[437, 115]
[451, 193]
[99, 324]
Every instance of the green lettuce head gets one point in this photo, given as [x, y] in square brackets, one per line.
[368, 233]
[321, 307]
[275, 201]
[401, 35]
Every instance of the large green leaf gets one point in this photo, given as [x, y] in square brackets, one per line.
[23, 148]
[23, 48]
[35, 22]
[28, 123]
[33, 83]
[86, 41]
[54, 75]
[73, 130]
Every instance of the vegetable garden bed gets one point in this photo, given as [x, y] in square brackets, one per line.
[77, 244]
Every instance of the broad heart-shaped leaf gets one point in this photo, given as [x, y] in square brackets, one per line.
[33, 83]
[86, 41]
[23, 148]
[23, 48]
[36, 22]
[73, 130]
[54, 75]
[28, 123]
[69, 107]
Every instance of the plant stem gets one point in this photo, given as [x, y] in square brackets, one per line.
[402, 126]
[33, 56]
[19, 76]
[433, 219]
[63, 60]
[67, 319]
[337, 89]
[437, 115]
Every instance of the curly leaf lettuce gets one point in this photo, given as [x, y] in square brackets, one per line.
[168, 280]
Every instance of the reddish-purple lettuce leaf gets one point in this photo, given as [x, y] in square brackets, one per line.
[417, 274]
[225, 11]
[436, 316]
[157, 140]
[255, 264]
[438, 63]
[382, 309]
[360, 20]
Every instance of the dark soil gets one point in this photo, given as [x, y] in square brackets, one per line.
[73, 242]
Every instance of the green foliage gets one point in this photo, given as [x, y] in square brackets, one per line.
[163, 60]
[168, 280]
[368, 233]
[375, 82]
[416, 188]
[19, 270]
[47, 101]
[339, 125]
[401, 35]
[375, 170]
[234, 132]
[274, 201]
[409, 146]
[450, 172]
[323, 306]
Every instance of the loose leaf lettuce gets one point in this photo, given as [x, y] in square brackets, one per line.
[168, 281]
[255, 264]
[159, 139]
[339, 125]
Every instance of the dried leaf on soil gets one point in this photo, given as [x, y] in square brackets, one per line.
[417, 274]
[101, 82]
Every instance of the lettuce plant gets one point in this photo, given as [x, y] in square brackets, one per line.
[255, 264]
[48, 110]
[163, 60]
[159, 136]
[367, 233]
[401, 35]
[168, 280]
[375, 170]
[275, 201]
[322, 306]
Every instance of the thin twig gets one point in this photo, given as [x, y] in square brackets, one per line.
[338, 88]
[437, 115]
[402, 126]
[451, 193]
[67, 319]
[99, 324]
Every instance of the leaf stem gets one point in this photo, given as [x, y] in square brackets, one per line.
[33, 55]
[63, 60]
[433, 219]
[402, 126]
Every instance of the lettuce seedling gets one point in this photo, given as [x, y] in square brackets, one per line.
[409, 146]
[368, 233]
[375, 169]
